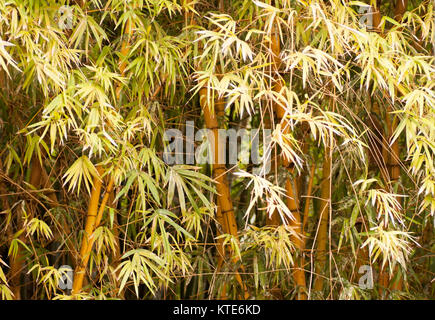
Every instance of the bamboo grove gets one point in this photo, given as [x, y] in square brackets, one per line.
[346, 181]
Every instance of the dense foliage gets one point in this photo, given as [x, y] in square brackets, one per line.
[345, 187]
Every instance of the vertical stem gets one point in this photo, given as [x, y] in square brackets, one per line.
[308, 197]
[291, 186]
[394, 156]
[383, 275]
[95, 214]
[35, 175]
[9, 234]
[325, 194]
[89, 229]
[298, 240]
[227, 216]
[222, 219]
[17, 262]
[125, 48]
[377, 15]
[400, 9]
[274, 218]
[65, 227]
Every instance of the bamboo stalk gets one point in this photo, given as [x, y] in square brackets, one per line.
[98, 219]
[89, 229]
[291, 187]
[325, 194]
[274, 218]
[117, 254]
[6, 207]
[400, 9]
[385, 279]
[221, 219]
[361, 254]
[220, 245]
[394, 156]
[225, 211]
[293, 205]
[377, 15]
[125, 48]
[308, 197]
[95, 212]
[393, 164]
[65, 227]
[14, 262]
[104, 202]
[226, 217]
[383, 155]
[17, 262]
[36, 171]
[379, 153]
